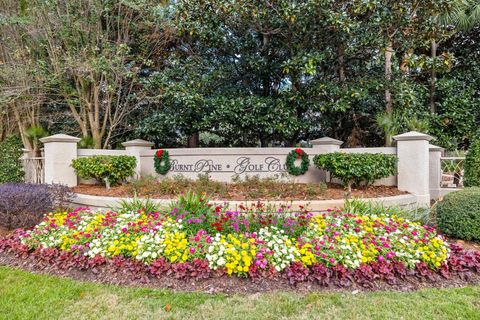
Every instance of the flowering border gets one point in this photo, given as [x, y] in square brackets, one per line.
[292, 157]
[461, 265]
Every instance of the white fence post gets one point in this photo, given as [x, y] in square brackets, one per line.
[413, 165]
[435, 165]
[134, 148]
[60, 150]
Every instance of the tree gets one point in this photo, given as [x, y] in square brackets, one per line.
[22, 86]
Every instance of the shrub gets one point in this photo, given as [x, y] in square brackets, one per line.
[472, 165]
[109, 170]
[357, 168]
[458, 214]
[23, 205]
[11, 166]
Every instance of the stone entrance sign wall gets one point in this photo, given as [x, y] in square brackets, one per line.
[417, 162]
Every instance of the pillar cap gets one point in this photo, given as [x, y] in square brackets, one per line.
[60, 138]
[138, 143]
[412, 136]
[326, 141]
[435, 148]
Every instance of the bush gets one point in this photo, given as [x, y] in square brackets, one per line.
[357, 168]
[109, 170]
[472, 165]
[23, 205]
[458, 214]
[11, 169]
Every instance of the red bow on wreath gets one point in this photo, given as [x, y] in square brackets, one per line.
[299, 152]
[159, 153]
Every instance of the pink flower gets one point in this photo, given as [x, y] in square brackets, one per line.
[192, 250]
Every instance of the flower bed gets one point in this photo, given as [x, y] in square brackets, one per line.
[333, 247]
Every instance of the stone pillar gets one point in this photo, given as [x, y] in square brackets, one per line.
[134, 148]
[413, 165]
[435, 165]
[60, 150]
[323, 146]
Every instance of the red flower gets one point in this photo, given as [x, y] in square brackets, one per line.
[159, 153]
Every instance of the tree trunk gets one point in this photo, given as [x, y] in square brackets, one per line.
[388, 77]
[433, 77]
[194, 140]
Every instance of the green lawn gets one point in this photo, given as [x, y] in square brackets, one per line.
[28, 296]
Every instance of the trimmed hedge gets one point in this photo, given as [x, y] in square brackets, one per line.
[11, 169]
[458, 214]
[472, 165]
[357, 168]
[106, 169]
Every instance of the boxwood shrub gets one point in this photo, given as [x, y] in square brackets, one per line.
[357, 168]
[472, 165]
[11, 169]
[109, 170]
[458, 214]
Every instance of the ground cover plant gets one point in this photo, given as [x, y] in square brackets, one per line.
[196, 239]
[248, 188]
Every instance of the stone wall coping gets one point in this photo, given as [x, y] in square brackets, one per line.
[435, 148]
[60, 138]
[138, 143]
[411, 136]
[325, 141]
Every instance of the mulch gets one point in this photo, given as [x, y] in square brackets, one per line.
[234, 192]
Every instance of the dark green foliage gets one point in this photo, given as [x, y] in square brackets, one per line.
[11, 169]
[458, 214]
[108, 170]
[161, 162]
[357, 168]
[292, 157]
[472, 165]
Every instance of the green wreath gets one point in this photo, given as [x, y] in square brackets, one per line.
[294, 155]
[162, 162]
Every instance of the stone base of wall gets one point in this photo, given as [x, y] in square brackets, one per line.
[97, 202]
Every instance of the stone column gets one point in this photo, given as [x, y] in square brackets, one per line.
[413, 165]
[323, 146]
[435, 165]
[134, 148]
[60, 150]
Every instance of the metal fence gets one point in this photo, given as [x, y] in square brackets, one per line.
[452, 172]
[34, 169]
